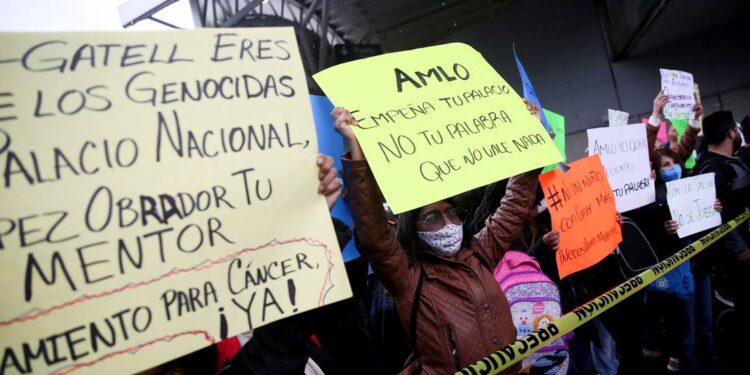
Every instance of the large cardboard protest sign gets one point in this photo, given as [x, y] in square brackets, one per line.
[624, 153]
[691, 204]
[582, 208]
[159, 193]
[679, 87]
[437, 121]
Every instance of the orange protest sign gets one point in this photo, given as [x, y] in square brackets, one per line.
[582, 208]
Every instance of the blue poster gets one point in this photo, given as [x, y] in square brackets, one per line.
[528, 90]
[331, 144]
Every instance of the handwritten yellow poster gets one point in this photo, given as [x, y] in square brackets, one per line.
[435, 122]
[159, 193]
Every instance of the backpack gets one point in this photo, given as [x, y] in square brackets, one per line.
[677, 282]
[534, 302]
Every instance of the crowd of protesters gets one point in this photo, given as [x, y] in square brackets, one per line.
[427, 297]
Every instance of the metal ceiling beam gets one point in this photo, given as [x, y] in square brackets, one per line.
[199, 19]
[310, 12]
[241, 13]
[165, 23]
[640, 31]
[323, 25]
[145, 15]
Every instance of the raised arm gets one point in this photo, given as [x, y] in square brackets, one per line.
[687, 142]
[500, 228]
[377, 239]
[652, 127]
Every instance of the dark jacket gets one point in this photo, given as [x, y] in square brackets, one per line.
[744, 154]
[463, 315]
[582, 286]
[651, 218]
[284, 346]
[732, 180]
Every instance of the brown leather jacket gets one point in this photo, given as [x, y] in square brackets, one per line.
[463, 315]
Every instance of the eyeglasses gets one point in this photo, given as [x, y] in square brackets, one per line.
[435, 220]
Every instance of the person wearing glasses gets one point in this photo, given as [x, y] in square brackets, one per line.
[438, 273]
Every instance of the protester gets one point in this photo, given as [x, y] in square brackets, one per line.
[667, 165]
[675, 305]
[524, 281]
[389, 340]
[331, 339]
[440, 278]
[684, 147]
[732, 181]
[587, 284]
[538, 241]
[744, 152]
[433, 274]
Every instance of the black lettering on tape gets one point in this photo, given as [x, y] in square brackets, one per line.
[534, 341]
[553, 329]
[524, 347]
[543, 335]
[583, 312]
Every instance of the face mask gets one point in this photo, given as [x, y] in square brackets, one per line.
[446, 241]
[672, 173]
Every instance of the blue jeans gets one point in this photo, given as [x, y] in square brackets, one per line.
[701, 305]
[678, 317]
[580, 350]
[604, 355]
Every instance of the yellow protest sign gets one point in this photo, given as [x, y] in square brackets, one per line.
[437, 121]
[159, 193]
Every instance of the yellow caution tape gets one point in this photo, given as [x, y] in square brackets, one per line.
[525, 346]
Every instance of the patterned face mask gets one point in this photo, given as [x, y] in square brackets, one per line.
[446, 241]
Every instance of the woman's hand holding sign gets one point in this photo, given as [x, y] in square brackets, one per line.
[536, 112]
[660, 101]
[330, 185]
[552, 240]
[343, 123]
[671, 227]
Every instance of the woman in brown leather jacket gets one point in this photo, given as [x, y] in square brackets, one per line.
[460, 314]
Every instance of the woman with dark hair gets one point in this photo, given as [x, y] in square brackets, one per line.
[675, 311]
[681, 146]
[439, 274]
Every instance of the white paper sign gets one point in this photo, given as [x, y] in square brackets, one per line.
[691, 204]
[624, 153]
[679, 87]
[617, 118]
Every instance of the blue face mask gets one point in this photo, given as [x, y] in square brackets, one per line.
[672, 173]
